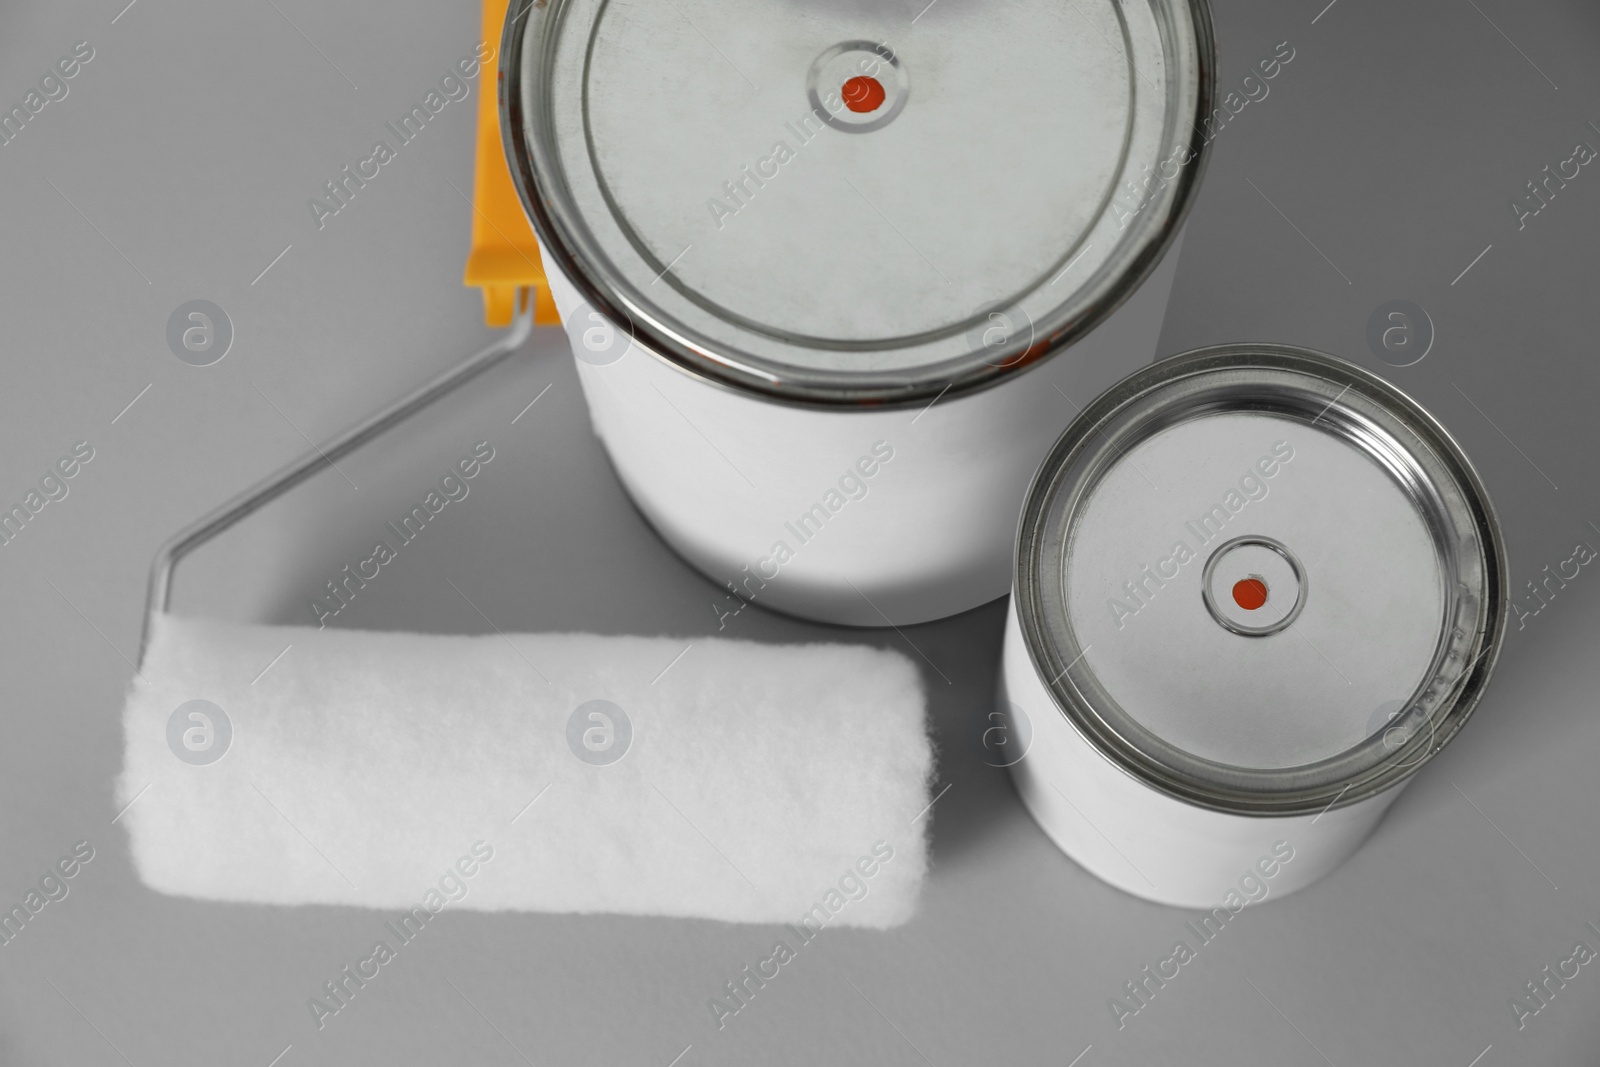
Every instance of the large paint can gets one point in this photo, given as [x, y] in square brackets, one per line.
[834, 274]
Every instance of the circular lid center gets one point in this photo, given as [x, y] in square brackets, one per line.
[857, 86]
[1253, 586]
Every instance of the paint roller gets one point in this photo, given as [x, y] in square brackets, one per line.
[558, 772]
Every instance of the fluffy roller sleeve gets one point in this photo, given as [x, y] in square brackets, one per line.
[542, 772]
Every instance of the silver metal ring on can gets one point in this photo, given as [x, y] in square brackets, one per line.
[1256, 589]
[814, 264]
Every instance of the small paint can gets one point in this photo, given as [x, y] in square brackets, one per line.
[1256, 589]
[821, 265]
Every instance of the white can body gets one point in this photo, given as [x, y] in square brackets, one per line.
[1146, 842]
[863, 517]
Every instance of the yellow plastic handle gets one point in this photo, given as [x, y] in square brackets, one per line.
[505, 256]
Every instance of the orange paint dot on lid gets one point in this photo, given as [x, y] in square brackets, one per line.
[1250, 593]
[862, 94]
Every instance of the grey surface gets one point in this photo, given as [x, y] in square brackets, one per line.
[191, 142]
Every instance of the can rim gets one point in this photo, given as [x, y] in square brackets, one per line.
[1292, 790]
[883, 389]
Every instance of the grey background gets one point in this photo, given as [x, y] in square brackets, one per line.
[1378, 167]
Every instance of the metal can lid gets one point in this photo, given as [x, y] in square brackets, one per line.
[856, 203]
[1261, 579]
